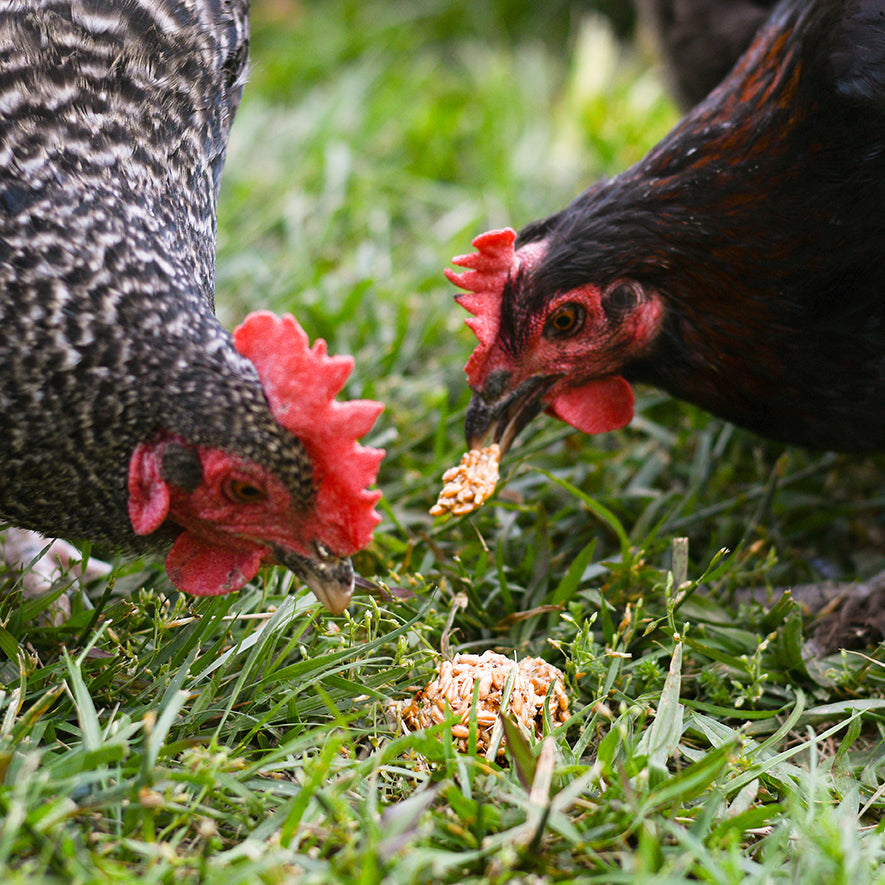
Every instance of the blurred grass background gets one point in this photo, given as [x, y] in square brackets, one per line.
[376, 140]
[248, 738]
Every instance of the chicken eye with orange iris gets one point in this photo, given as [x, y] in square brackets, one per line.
[566, 320]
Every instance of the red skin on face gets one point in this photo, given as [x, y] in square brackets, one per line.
[590, 395]
[223, 542]
[225, 539]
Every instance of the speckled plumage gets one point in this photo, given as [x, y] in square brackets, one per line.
[114, 119]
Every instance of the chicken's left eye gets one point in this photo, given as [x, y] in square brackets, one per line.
[564, 321]
[241, 491]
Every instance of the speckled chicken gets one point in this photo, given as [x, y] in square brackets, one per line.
[130, 416]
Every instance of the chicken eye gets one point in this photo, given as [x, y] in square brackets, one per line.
[564, 321]
[241, 491]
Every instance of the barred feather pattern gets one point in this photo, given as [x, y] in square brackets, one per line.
[114, 120]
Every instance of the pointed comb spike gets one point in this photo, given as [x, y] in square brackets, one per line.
[301, 383]
[494, 252]
[471, 302]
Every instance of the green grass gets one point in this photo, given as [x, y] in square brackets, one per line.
[248, 738]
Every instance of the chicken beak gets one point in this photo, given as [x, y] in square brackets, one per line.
[497, 415]
[330, 578]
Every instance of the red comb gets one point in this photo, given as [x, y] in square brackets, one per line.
[488, 270]
[301, 383]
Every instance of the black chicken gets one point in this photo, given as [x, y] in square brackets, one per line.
[129, 415]
[738, 266]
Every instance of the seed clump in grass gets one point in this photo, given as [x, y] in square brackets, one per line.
[533, 683]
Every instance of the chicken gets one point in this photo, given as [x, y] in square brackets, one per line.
[701, 39]
[737, 266]
[130, 416]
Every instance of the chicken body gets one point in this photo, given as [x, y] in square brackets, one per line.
[129, 416]
[739, 265]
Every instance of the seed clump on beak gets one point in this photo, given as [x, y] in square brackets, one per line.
[468, 485]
